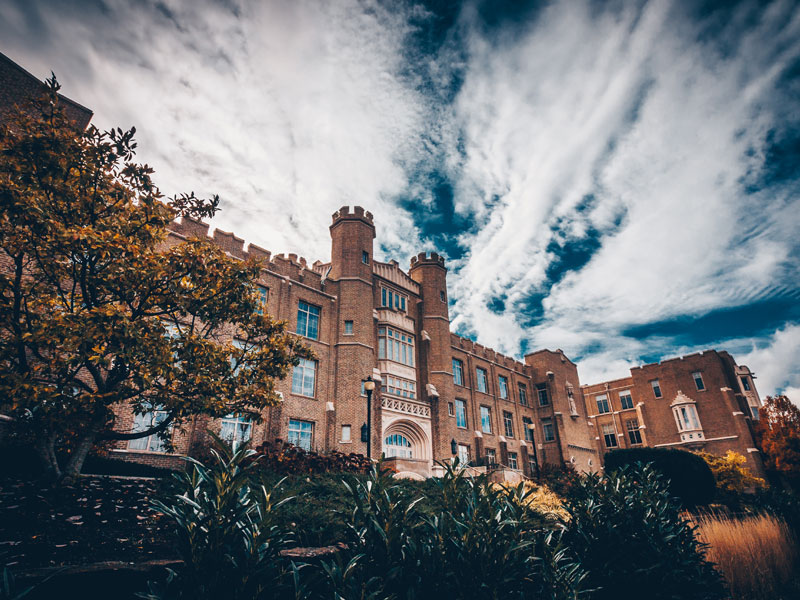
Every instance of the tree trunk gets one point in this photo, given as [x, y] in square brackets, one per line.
[46, 448]
[73, 467]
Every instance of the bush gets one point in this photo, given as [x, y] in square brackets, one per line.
[628, 534]
[287, 459]
[732, 478]
[756, 555]
[561, 479]
[690, 478]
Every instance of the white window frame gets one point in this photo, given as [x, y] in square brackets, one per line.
[603, 405]
[346, 439]
[397, 445]
[395, 345]
[508, 424]
[522, 390]
[698, 378]
[655, 384]
[542, 394]
[634, 432]
[626, 395]
[609, 436]
[482, 380]
[300, 433]
[463, 454]
[486, 419]
[392, 299]
[303, 369]
[235, 422]
[548, 430]
[397, 386]
[312, 314]
[512, 461]
[461, 411]
[458, 367]
[152, 443]
[502, 385]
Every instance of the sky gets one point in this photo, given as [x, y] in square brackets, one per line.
[616, 179]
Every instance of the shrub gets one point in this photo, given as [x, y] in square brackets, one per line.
[732, 478]
[561, 479]
[627, 532]
[286, 458]
[228, 534]
[756, 555]
[690, 478]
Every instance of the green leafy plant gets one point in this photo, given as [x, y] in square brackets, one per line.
[628, 533]
[229, 536]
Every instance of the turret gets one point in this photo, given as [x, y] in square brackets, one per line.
[352, 234]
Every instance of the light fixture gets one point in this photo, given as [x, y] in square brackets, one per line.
[453, 446]
[369, 384]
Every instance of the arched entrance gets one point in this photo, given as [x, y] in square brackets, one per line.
[403, 438]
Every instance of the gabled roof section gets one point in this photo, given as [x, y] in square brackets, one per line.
[391, 271]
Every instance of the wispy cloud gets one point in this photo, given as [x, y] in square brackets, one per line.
[620, 180]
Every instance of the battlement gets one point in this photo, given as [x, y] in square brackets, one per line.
[293, 267]
[423, 259]
[489, 354]
[358, 213]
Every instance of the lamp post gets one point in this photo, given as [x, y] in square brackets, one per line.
[369, 387]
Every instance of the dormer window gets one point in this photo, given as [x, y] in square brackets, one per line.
[684, 409]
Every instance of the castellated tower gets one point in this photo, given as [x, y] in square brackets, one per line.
[436, 376]
[352, 235]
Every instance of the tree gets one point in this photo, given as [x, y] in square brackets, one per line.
[732, 476]
[778, 435]
[98, 311]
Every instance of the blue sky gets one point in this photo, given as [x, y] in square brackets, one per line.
[617, 179]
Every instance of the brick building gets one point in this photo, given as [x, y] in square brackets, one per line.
[439, 395]
[703, 401]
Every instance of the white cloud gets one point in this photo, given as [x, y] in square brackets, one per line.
[661, 129]
[287, 109]
[774, 361]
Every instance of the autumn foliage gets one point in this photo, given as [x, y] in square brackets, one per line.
[97, 310]
[287, 459]
[778, 435]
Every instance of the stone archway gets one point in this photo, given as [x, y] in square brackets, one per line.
[403, 435]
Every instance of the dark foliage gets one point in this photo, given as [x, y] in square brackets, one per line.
[690, 478]
[561, 479]
[627, 532]
[288, 459]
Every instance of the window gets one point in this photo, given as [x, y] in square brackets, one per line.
[527, 426]
[502, 383]
[625, 400]
[461, 413]
[634, 435]
[686, 417]
[463, 454]
[348, 328]
[483, 382]
[602, 404]
[399, 387]
[235, 360]
[698, 381]
[745, 384]
[346, 429]
[303, 378]
[486, 419]
[491, 456]
[395, 345]
[236, 430]
[512, 460]
[442, 296]
[451, 411]
[365, 257]
[308, 320]
[151, 443]
[532, 465]
[458, 372]
[397, 445]
[548, 431]
[541, 391]
[508, 424]
[523, 394]
[656, 388]
[263, 294]
[301, 433]
[754, 410]
[609, 436]
[392, 299]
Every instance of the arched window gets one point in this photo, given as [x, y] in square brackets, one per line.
[397, 445]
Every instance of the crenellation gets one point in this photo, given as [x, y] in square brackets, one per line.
[229, 242]
[189, 228]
